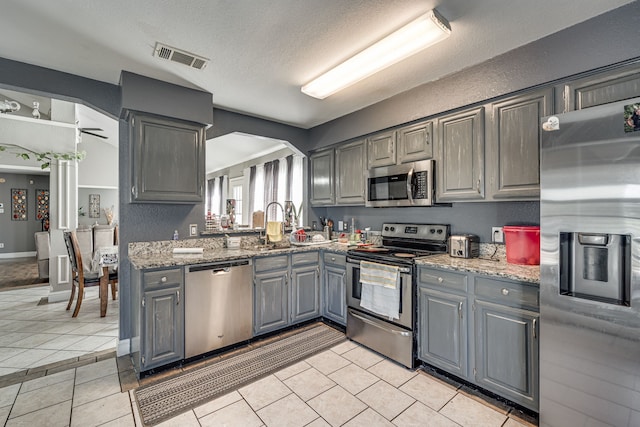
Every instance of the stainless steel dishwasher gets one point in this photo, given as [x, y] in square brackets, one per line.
[218, 305]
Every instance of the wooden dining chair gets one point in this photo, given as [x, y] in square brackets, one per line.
[81, 278]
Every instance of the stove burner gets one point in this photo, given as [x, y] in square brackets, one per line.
[404, 255]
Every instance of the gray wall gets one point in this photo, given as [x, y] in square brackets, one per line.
[598, 42]
[474, 218]
[17, 236]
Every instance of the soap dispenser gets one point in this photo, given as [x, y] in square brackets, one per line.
[175, 235]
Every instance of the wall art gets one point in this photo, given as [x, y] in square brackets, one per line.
[94, 206]
[18, 204]
[42, 205]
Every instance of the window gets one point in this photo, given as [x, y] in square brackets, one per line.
[236, 190]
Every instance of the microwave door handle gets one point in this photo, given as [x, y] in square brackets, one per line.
[410, 186]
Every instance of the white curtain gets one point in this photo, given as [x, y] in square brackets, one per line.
[216, 196]
[297, 184]
[282, 181]
[258, 195]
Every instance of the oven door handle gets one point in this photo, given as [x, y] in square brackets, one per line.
[380, 325]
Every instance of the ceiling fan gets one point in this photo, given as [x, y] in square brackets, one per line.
[91, 131]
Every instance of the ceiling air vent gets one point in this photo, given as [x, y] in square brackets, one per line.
[183, 57]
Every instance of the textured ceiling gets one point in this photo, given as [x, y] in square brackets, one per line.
[262, 51]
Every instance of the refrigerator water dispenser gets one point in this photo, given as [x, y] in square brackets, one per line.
[596, 266]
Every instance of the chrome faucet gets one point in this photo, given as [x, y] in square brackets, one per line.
[266, 221]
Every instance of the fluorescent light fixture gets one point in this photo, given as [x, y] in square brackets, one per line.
[424, 31]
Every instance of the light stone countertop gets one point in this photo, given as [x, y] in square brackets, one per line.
[168, 259]
[147, 255]
[500, 268]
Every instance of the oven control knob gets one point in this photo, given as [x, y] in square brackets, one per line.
[386, 229]
[440, 231]
[393, 229]
[432, 231]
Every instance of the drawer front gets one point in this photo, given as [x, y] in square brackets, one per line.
[305, 258]
[505, 292]
[335, 259]
[443, 280]
[162, 277]
[272, 263]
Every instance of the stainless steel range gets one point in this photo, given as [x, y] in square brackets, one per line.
[402, 244]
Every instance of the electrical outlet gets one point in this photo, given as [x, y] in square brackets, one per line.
[497, 235]
[193, 230]
[1, 245]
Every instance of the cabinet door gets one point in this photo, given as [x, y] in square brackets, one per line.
[163, 327]
[305, 293]
[507, 352]
[599, 89]
[442, 330]
[513, 151]
[321, 171]
[415, 142]
[168, 160]
[350, 177]
[461, 154]
[335, 304]
[270, 301]
[381, 150]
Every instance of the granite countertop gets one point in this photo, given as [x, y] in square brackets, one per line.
[500, 268]
[168, 259]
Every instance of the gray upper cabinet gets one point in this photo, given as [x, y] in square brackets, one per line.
[350, 173]
[602, 88]
[381, 149]
[168, 160]
[513, 149]
[415, 142]
[321, 175]
[460, 172]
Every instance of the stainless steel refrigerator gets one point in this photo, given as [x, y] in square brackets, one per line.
[590, 267]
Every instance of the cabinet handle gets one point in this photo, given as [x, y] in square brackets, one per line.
[479, 192]
[178, 301]
[535, 334]
[440, 280]
[460, 309]
[333, 258]
[426, 138]
[318, 271]
[164, 279]
[505, 291]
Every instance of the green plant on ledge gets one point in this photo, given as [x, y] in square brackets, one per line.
[43, 157]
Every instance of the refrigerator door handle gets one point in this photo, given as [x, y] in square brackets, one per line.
[535, 334]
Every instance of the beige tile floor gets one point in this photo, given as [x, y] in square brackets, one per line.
[344, 386]
[33, 335]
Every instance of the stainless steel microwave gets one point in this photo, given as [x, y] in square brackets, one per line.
[409, 184]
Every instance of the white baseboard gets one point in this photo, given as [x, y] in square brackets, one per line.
[18, 255]
[124, 347]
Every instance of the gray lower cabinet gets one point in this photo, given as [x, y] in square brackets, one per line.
[460, 172]
[168, 160]
[286, 290]
[350, 173]
[415, 142]
[270, 297]
[493, 342]
[334, 288]
[507, 352]
[321, 177]
[305, 292]
[162, 318]
[513, 148]
[443, 330]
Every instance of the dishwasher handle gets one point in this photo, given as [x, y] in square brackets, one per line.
[219, 267]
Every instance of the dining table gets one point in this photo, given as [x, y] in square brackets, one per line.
[105, 258]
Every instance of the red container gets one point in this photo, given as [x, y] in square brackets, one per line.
[523, 244]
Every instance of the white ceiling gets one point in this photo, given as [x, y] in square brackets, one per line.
[262, 51]
[235, 148]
